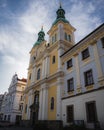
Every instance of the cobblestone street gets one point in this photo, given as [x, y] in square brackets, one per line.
[16, 128]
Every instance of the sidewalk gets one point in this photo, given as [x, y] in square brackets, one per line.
[15, 128]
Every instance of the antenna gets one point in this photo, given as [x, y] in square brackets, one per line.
[42, 27]
[60, 3]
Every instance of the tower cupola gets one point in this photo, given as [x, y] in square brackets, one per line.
[60, 13]
[40, 39]
[60, 16]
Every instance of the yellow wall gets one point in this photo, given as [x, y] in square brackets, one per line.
[52, 93]
[53, 67]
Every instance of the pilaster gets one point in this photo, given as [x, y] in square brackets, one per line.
[98, 65]
[78, 81]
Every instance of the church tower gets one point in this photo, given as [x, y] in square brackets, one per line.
[62, 30]
[45, 74]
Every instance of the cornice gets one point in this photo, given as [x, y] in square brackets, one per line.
[88, 40]
[78, 48]
[45, 80]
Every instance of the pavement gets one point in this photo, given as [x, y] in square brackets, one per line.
[15, 128]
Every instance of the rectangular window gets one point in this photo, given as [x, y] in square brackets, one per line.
[88, 75]
[91, 112]
[55, 37]
[53, 59]
[69, 63]
[85, 54]
[70, 84]
[70, 113]
[52, 39]
[69, 38]
[102, 40]
[65, 36]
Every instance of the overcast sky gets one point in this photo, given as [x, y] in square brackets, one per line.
[21, 20]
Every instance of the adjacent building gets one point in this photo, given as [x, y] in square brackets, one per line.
[1, 100]
[66, 80]
[13, 100]
[83, 66]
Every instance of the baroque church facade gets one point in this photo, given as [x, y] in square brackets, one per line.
[66, 80]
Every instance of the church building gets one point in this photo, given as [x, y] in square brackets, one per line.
[66, 79]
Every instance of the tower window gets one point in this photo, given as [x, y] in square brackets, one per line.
[52, 39]
[88, 77]
[55, 37]
[70, 84]
[69, 38]
[102, 40]
[38, 74]
[69, 63]
[65, 36]
[53, 60]
[85, 54]
[52, 103]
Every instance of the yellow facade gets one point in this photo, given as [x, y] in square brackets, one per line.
[53, 66]
[52, 93]
[46, 57]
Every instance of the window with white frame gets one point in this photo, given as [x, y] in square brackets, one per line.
[70, 85]
[88, 76]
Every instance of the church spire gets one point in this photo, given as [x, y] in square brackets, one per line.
[60, 12]
[41, 35]
[60, 15]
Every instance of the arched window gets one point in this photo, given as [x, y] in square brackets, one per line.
[38, 74]
[52, 103]
[53, 60]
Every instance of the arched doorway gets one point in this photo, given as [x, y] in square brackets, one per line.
[34, 109]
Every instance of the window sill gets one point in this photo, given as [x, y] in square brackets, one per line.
[84, 59]
[89, 87]
[71, 92]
